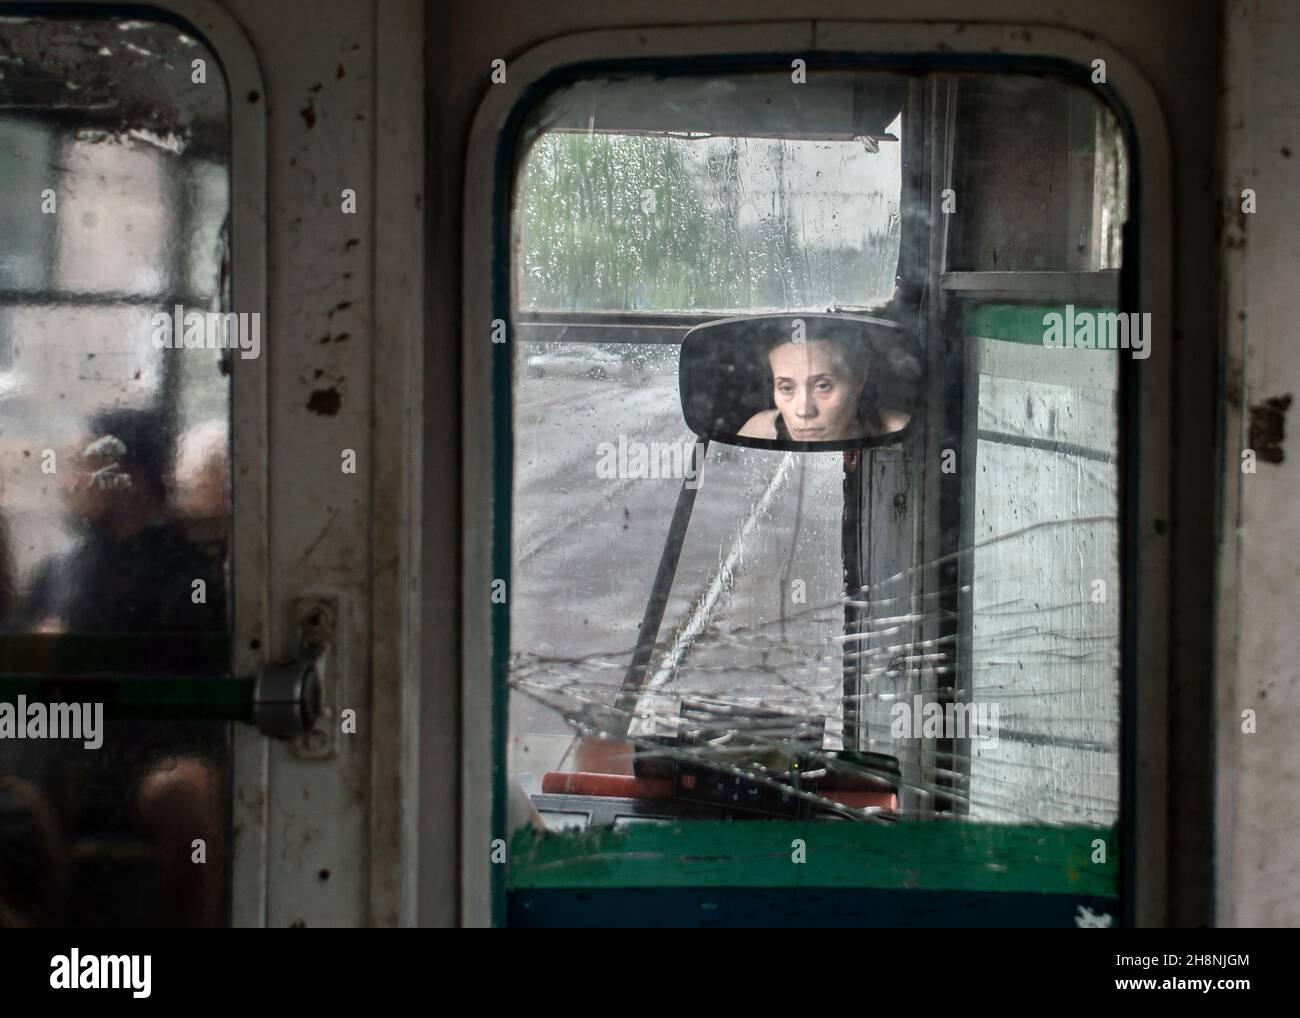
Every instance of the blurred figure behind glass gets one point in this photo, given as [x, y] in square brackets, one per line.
[134, 567]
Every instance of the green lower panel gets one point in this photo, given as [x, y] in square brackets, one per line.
[920, 855]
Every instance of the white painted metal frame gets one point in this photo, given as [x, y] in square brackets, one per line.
[888, 40]
[1257, 825]
[398, 286]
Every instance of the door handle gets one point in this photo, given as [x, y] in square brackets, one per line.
[284, 699]
[287, 697]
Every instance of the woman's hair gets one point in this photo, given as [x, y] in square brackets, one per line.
[857, 357]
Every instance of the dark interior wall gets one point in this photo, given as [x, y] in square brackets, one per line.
[1177, 46]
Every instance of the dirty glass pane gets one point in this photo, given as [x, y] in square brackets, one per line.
[1046, 571]
[588, 531]
[687, 220]
[906, 654]
[114, 463]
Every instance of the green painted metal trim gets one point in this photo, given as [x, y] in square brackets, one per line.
[141, 698]
[136, 676]
[924, 855]
[109, 654]
[1019, 323]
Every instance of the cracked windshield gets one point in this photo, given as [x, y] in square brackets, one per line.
[917, 624]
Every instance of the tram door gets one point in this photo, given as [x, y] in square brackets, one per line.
[195, 537]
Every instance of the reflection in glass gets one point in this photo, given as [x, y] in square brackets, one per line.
[819, 389]
[810, 378]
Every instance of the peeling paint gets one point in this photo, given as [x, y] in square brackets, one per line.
[1268, 428]
[325, 401]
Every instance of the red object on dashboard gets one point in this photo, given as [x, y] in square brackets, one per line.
[861, 800]
[625, 786]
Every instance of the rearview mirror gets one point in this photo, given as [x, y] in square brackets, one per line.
[800, 382]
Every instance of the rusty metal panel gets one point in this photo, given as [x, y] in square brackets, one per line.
[320, 108]
[1257, 696]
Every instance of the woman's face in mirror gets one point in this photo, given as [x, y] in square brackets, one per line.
[815, 391]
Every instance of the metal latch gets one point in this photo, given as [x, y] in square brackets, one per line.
[291, 699]
[287, 698]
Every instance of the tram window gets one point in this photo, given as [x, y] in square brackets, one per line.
[114, 439]
[923, 626]
[679, 223]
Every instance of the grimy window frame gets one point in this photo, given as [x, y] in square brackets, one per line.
[1144, 391]
[249, 564]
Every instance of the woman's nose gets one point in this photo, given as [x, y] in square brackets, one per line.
[804, 405]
